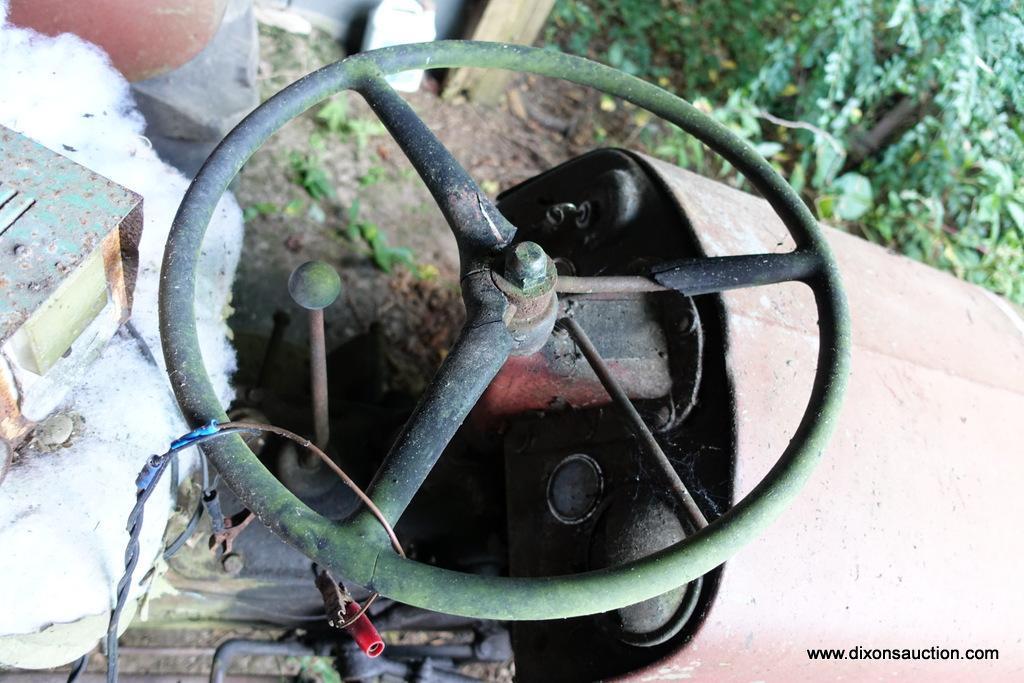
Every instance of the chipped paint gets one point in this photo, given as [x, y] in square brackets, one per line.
[56, 218]
[67, 211]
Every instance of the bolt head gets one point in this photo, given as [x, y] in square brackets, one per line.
[314, 285]
[526, 265]
[55, 430]
[232, 563]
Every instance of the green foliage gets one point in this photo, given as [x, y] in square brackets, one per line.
[822, 81]
[384, 256]
[671, 143]
[309, 172]
[855, 196]
[334, 115]
[259, 209]
[318, 669]
[293, 208]
[950, 181]
[375, 174]
[336, 119]
[311, 175]
[690, 45]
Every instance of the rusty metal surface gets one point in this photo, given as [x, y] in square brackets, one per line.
[628, 336]
[569, 284]
[13, 424]
[908, 534]
[318, 379]
[64, 232]
[68, 212]
[143, 39]
[528, 284]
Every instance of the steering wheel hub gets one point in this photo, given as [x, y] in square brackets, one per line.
[528, 282]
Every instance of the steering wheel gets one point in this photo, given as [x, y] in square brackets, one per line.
[356, 548]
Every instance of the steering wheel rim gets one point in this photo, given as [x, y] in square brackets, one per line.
[354, 548]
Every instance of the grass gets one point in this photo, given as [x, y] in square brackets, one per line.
[307, 169]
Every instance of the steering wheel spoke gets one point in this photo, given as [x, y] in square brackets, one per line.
[476, 357]
[710, 275]
[702, 275]
[479, 227]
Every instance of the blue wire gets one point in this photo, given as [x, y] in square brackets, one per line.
[206, 430]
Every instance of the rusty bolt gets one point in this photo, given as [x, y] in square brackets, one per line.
[232, 563]
[526, 266]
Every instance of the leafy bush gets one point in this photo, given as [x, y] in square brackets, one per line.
[696, 47]
[897, 119]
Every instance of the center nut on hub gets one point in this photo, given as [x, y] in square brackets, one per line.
[529, 284]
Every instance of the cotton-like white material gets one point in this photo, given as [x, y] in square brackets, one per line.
[63, 514]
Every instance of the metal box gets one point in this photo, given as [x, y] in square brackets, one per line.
[68, 261]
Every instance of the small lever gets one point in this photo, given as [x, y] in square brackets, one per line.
[315, 285]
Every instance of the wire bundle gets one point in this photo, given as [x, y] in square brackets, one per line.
[150, 476]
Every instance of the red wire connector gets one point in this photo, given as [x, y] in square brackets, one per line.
[363, 631]
[344, 612]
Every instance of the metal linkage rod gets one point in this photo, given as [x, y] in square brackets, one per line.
[607, 284]
[318, 378]
[230, 650]
[640, 427]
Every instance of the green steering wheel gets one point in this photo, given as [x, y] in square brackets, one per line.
[356, 548]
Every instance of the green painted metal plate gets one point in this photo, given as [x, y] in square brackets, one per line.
[54, 214]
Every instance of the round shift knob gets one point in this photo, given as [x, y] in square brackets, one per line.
[314, 285]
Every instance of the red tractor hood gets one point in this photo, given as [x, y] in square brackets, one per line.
[908, 536]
